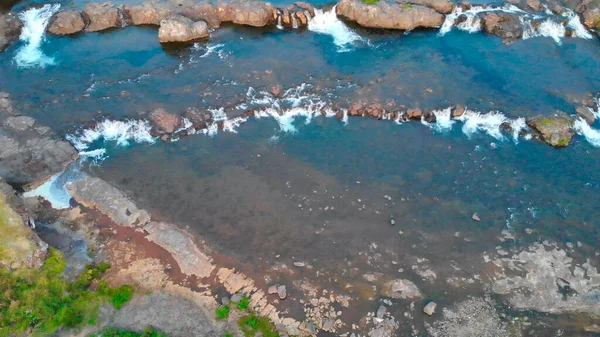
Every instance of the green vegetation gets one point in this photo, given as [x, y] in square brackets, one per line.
[222, 312]
[15, 245]
[406, 5]
[228, 334]
[110, 332]
[563, 141]
[252, 324]
[370, 2]
[40, 302]
[243, 303]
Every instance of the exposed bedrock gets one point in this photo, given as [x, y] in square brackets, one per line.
[392, 15]
[556, 130]
[102, 16]
[66, 23]
[10, 29]
[178, 28]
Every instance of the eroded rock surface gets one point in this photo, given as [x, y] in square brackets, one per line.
[178, 28]
[556, 130]
[246, 12]
[389, 15]
[502, 24]
[66, 23]
[102, 16]
[10, 29]
[401, 289]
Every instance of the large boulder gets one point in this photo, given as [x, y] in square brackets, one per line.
[164, 121]
[29, 153]
[441, 6]
[66, 23]
[147, 13]
[20, 247]
[102, 16]
[178, 28]
[556, 130]
[10, 29]
[502, 24]
[590, 12]
[401, 289]
[246, 12]
[200, 11]
[389, 15]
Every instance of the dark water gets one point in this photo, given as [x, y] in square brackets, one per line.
[326, 193]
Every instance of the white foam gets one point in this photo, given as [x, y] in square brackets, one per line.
[548, 28]
[591, 135]
[210, 48]
[33, 34]
[488, 123]
[443, 120]
[575, 24]
[121, 132]
[472, 23]
[329, 24]
[516, 126]
[54, 190]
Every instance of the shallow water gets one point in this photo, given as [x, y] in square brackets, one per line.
[325, 191]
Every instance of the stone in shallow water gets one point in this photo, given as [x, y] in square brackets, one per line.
[401, 289]
[390, 15]
[66, 23]
[102, 16]
[429, 309]
[282, 292]
[178, 28]
[556, 130]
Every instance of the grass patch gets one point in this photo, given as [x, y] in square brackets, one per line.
[406, 5]
[244, 303]
[110, 332]
[15, 245]
[252, 324]
[222, 312]
[370, 2]
[228, 334]
[40, 302]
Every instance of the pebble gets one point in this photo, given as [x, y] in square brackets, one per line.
[430, 308]
[475, 217]
[272, 289]
[299, 264]
[381, 311]
[282, 292]
[224, 300]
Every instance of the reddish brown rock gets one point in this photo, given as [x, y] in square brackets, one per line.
[66, 23]
[147, 13]
[178, 28]
[389, 15]
[306, 6]
[414, 113]
[197, 118]
[246, 12]
[458, 111]
[165, 122]
[102, 16]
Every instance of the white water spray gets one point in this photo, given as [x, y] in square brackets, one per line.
[121, 132]
[35, 20]
[590, 134]
[294, 21]
[329, 24]
[575, 24]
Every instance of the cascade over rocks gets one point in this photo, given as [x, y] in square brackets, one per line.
[178, 28]
[390, 15]
[66, 22]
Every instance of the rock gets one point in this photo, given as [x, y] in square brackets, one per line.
[96, 193]
[502, 24]
[475, 217]
[276, 90]
[441, 6]
[302, 18]
[555, 130]
[563, 284]
[414, 113]
[246, 12]
[178, 28]
[224, 301]
[181, 245]
[299, 264]
[392, 221]
[19, 123]
[200, 11]
[590, 12]
[458, 111]
[10, 29]
[586, 113]
[66, 23]
[272, 290]
[306, 6]
[429, 309]
[282, 292]
[429, 117]
[389, 15]
[147, 13]
[102, 16]
[20, 246]
[236, 298]
[381, 311]
[165, 122]
[401, 289]
[197, 118]
[534, 4]
[328, 324]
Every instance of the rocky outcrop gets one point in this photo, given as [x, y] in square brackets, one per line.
[246, 12]
[590, 12]
[556, 130]
[165, 122]
[66, 23]
[10, 29]
[29, 153]
[20, 247]
[586, 113]
[147, 13]
[390, 15]
[181, 29]
[401, 289]
[502, 24]
[102, 16]
[441, 6]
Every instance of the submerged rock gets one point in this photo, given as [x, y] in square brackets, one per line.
[401, 289]
[102, 16]
[181, 29]
[556, 130]
[389, 15]
[66, 23]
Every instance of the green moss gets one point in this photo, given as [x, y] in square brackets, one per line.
[244, 303]
[370, 2]
[222, 312]
[40, 302]
[563, 141]
[253, 324]
[406, 5]
[15, 244]
[228, 334]
[110, 332]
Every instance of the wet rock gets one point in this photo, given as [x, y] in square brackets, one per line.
[246, 12]
[96, 193]
[276, 90]
[178, 28]
[458, 111]
[414, 113]
[586, 113]
[306, 6]
[555, 130]
[147, 13]
[429, 117]
[401, 289]
[441, 6]
[165, 122]
[471, 318]
[534, 4]
[272, 290]
[282, 292]
[590, 12]
[502, 24]
[389, 15]
[10, 29]
[101, 16]
[198, 118]
[236, 298]
[302, 19]
[429, 309]
[66, 23]
[381, 311]
[20, 246]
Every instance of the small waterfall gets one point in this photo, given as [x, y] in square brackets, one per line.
[308, 16]
[35, 21]
[279, 24]
[472, 23]
[575, 24]
[122, 19]
[294, 21]
[548, 28]
[329, 24]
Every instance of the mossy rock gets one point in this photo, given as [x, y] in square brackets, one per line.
[556, 130]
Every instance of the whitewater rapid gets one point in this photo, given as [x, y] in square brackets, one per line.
[327, 22]
[33, 34]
